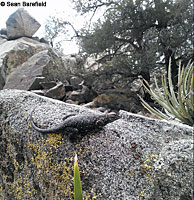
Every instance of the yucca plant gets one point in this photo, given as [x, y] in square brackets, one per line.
[77, 182]
[177, 106]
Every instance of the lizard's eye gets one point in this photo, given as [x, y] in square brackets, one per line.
[99, 123]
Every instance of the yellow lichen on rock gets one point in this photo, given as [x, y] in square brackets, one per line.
[57, 174]
[54, 139]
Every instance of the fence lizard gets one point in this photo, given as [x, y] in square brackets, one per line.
[79, 123]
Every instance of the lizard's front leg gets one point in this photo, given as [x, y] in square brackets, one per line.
[73, 133]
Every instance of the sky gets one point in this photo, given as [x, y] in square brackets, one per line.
[60, 8]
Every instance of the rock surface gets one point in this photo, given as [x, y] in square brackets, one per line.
[119, 162]
[16, 52]
[21, 24]
[169, 183]
[25, 61]
[75, 82]
[84, 95]
[56, 92]
[41, 64]
[2, 39]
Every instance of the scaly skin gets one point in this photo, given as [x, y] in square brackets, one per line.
[79, 123]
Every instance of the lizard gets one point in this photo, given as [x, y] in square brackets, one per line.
[79, 123]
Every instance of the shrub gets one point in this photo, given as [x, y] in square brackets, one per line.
[176, 106]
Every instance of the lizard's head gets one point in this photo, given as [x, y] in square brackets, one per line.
[107, 118]
[112, 116]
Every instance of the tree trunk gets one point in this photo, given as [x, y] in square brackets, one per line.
[146, 76]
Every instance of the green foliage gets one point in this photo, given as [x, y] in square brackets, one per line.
[77, 182]
[178, 106]
[138, 36]
[132, 38]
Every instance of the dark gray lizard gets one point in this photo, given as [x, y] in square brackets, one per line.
[79, 123]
